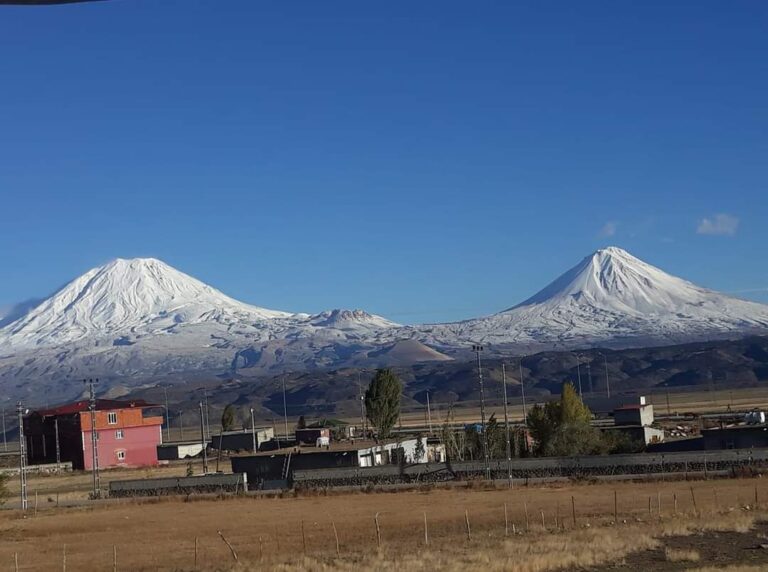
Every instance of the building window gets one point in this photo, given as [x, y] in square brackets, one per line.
[119, 434]
[121, 455]
[112, 418]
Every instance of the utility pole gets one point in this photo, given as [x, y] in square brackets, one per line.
[206, 411]
[429, 414]
[522, 389]
[207, 417]
[477, 349]
[94, 438]
[607, 379]
[362, 407]
[203, 439]
[285, 410]
[22, 457]
[167, 416]
[253, 431]
[578, 372]
[506, 425]
[58, 447]
[5, 439]
[589, 375]
[274, 432]
[181, 423]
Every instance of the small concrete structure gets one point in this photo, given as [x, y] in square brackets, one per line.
[242, 440]
[176, 451]
[737, 437]
[635, 420]
[279, 465]
[318, 436]
[634, 414]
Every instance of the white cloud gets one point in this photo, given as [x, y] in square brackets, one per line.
[721, 224]
[609, 229]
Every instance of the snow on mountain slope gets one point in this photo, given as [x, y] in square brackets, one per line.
[608, 297]
[134, 297]
[140, 318]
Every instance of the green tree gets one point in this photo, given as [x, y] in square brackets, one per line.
[4, 494]
[382, 401]
[228, 418]
[562, 428]
[497, 439]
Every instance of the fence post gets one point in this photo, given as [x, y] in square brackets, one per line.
[16, 561]
[543, 522]
[469, 530]
[303, 538]
[506, 521]
[336, 536]
[64, 559]
[114, 558]
[755, 496]
[261, 548]
[573, 510]
[527, 524]
[231, 549]
[615, 508]
[195, 552]
[378, 530]
[658, 503]
[674, 500]
[695, 508]
[426, 531]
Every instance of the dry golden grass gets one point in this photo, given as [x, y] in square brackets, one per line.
[736, 568]
[682, 555]
[267, 532]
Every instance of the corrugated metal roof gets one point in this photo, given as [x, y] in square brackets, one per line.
[101, 405]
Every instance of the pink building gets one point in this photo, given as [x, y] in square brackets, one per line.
[125, 435]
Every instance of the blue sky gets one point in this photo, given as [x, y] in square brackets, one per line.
[426, 161]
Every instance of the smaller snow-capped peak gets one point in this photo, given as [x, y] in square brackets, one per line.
[350, 318]
[123, 295]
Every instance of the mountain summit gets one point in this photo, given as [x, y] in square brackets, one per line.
[613, 298]
[140, 295]
[612, 277]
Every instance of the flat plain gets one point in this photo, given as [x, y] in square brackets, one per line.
[465, 528]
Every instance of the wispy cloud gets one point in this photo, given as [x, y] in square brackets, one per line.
[608, 229]
[719, 225]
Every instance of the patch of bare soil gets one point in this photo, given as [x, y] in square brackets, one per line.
[715, 549]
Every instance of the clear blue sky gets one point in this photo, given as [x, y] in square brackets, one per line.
[423, 160]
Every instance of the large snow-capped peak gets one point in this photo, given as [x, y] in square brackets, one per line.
[123, 295]
[613, 278]
[611, 297]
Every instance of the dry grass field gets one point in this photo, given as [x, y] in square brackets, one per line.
[698, 402]
[297, 533]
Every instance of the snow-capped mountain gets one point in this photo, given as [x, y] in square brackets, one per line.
[611, 298]
[139, 318]
[136, 298]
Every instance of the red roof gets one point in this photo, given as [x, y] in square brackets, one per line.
[84, 405]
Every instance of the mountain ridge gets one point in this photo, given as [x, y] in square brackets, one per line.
[136, 317]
